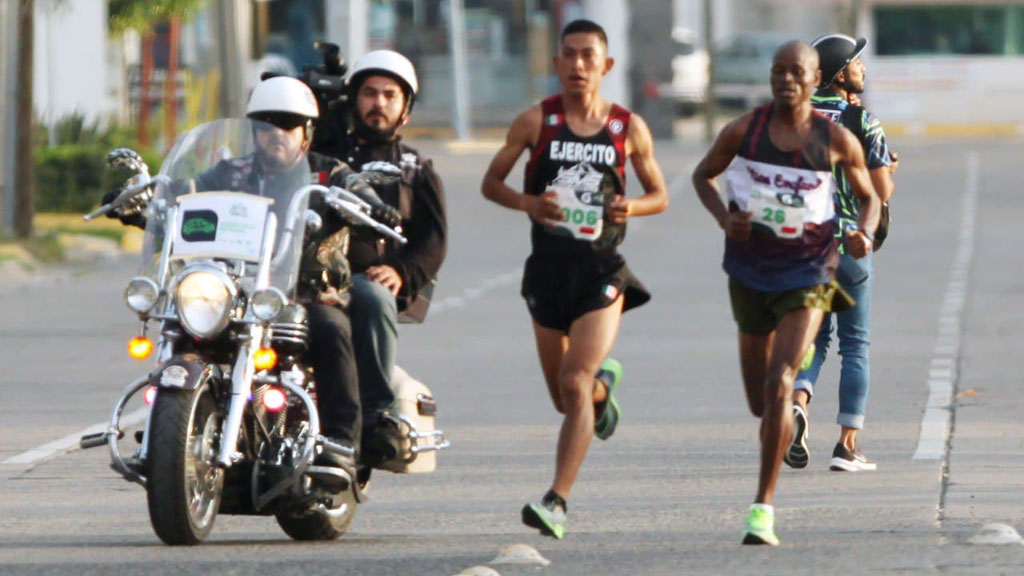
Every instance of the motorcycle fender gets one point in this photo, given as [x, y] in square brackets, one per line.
[183, 372]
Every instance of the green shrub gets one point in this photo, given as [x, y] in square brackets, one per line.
[74, 177]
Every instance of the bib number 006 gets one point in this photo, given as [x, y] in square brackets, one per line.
[580, 216]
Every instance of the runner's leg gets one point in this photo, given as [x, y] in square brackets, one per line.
[754, 352]
[590, 340]
[793, 335]
[551, 347]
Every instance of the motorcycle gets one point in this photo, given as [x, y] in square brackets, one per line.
[231, 423]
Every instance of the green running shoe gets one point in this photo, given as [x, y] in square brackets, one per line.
[549, 516]
[608, 412]
[808, 358]
[760, 527]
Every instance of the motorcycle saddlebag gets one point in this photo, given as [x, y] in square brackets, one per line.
[413, 404]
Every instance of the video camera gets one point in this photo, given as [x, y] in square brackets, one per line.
[327, 82]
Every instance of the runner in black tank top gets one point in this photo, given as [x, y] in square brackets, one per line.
[594, 167]
[575, 268]
[575, 283]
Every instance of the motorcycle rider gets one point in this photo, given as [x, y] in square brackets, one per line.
[388, 278]
[286, 109]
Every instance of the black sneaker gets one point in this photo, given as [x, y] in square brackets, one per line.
[844, 460]
[798, 455]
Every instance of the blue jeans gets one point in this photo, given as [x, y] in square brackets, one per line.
[374, 314]
[854, 330]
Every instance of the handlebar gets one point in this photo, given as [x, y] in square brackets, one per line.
[352, 207]
[126, 195]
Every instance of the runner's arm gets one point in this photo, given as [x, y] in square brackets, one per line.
[640, 148]
[718, 158]
[522, 135]
[881, 180]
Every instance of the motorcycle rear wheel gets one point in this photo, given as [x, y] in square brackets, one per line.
[183, 483]
[311, 526]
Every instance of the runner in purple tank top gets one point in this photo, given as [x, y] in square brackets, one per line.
[780, 251]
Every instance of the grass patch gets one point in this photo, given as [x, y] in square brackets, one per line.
[44, 247]
[73, 224]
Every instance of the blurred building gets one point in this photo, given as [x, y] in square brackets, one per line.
[934, 66]
[930, 62]
[72, 71]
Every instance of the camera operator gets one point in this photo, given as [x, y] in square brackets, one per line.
[388, 278]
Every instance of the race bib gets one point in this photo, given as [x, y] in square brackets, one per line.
[583, 220]
[783, 214]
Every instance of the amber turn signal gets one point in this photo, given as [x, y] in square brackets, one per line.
[140, 347]
[265, 358]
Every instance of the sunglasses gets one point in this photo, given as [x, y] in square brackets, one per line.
[279, 120]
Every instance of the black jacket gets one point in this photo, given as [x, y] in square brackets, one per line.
[419, 197]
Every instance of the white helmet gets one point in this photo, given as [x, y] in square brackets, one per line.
[283, 95]
[390, 63]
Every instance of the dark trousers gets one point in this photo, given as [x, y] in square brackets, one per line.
[374, 314]
[334, 367]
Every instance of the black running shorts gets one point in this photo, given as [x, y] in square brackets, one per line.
[560, 289]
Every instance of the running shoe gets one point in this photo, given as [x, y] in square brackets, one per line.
[808, 358]
[798, 455]
[760, 526]
[844, 460]
[549, 516]
[608, 412]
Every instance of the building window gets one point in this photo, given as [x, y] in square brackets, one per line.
[949, 30]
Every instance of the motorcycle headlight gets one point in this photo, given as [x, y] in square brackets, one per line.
[204, 300]
[268, 303]
[141, 294]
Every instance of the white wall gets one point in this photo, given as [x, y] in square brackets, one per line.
[70, 59]
[613, 16]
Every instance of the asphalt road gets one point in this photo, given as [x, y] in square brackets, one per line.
[668, 493]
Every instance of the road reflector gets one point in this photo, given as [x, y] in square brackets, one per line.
[521, 554]
[996, 533]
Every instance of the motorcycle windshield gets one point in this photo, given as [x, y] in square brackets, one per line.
[221, 188]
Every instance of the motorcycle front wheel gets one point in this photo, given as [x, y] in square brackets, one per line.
[183, 483]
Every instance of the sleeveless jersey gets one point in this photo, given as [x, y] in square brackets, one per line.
[790, 194]
[587, 173]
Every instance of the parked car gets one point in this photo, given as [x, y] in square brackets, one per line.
[690, 65]
[742, 67]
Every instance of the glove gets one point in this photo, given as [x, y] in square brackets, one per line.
[129, 213]
[386, 215]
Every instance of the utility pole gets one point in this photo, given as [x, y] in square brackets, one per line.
[24, 186]
[457, 40]
[709, 99]
[710, 103]
[232, 20]
[8, 50]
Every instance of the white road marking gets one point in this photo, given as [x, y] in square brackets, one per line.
[66, 443]
[944, 370]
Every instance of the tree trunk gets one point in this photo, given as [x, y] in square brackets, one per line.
[171, 85]
[23, 178]
[145, 74]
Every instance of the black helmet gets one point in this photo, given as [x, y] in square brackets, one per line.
[835, 52]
